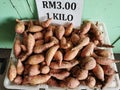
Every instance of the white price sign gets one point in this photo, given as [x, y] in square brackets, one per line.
[61, 11]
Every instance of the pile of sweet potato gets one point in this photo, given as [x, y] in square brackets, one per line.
[61, 56]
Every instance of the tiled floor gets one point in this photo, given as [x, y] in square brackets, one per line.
[5, 53]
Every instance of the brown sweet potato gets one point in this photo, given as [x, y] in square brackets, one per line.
[85, 27]
[58, 57]
[72, 82]
[103, 52]
[23, 47]
[71, 54]
[106, 61]
[50, 54]
[46, 23]
[64, 64]
[19, 67]
[30, 43]
[90, 81]
[45, 69]
[108, 70]
[97, 33]
[59, 32]
[38, 35]
[38, 79]
[18, 80]
[69, 29]
[35, 59]
[41, 48]
[48, 34]
[75, 38]
[88, 63]
[82, 42]
[108, 81]
[98, 71]
[53, 82]
[80, 74]
[88, 50]
[34, 70]
[12, 72]
[60, 74]
[20, 27]
[17, 47]
[35, 28]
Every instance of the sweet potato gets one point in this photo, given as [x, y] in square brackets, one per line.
[85, 27]
[90, 81]
[50, 53]
[30, 43]
[64, 44]
[62, 84]
[72, 82]
[34, 70]
[106, 61]
[25, 37]
[48, 34]
[38, 79]
[35, 59]
[108, 81]
[51, 27]
[80, 74]
[82, 42]
[88, 50]
[69, 29]
[75, 38]
[58, 57]
[71, 54]
[12, 72]
[60, 75]
[45, 69]
[46, 23]
[19, 67]
[17, 47]
[41, 48]
[98, 71]
[35, 28]
[23, 56]
[38, 42]
[88, 63]
[25, 80]
[108, 70]
[103, 52]
[26, 70]
[38, 35]
[23, 47]
[53, 82]
[64, 64]
[59, 32]
[20, 27]
[97, 33]
[18, 80]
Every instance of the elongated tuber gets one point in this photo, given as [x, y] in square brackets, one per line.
[64, 64]
[35, 59]
[99, 73]
[88, 63]
[50, 54]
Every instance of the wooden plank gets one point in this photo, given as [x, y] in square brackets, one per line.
[22, 8]
[33, 8]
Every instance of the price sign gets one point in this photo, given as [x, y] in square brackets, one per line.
[61, 11]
